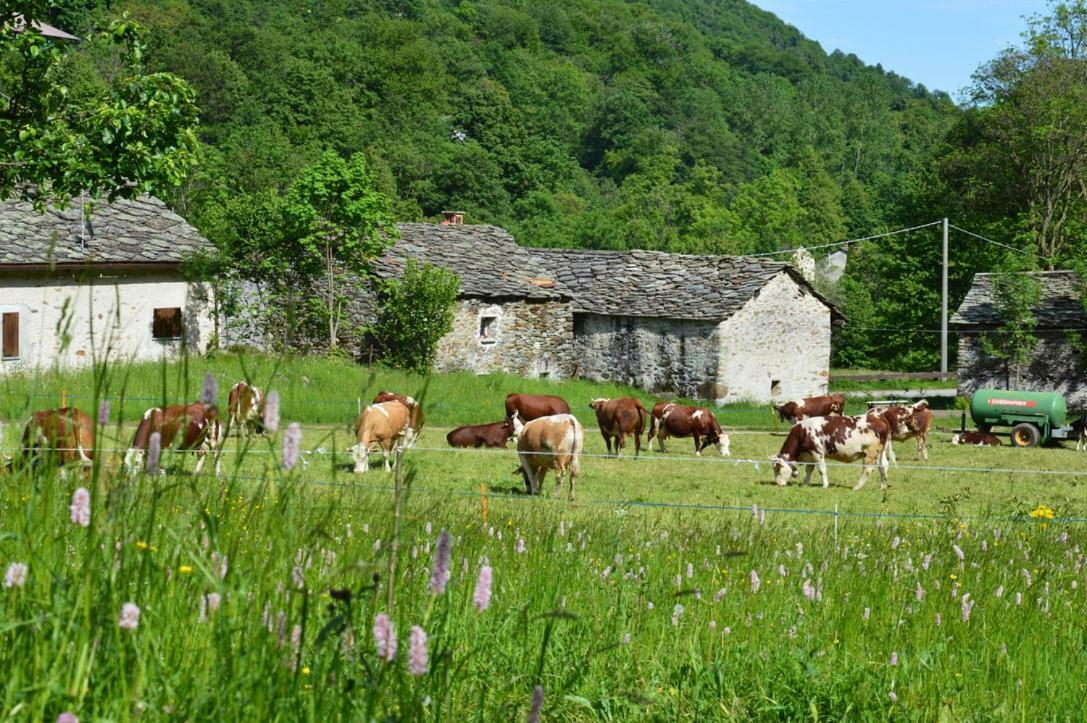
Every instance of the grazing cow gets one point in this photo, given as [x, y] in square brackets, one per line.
[65, 435]
[246, 407]
[552, 442]
[618, 418]
[199, 427]
[977, 439]
[481, 435]
[825, 406]
[534, 406]
[906, 422]
[416, 418]
[674, 420]
[387, 424]
[844, 439]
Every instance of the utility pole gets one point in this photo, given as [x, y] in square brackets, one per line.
[943, 309]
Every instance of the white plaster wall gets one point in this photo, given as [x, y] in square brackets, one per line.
[56, 314]
[782, 334]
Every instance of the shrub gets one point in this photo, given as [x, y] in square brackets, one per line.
[416, 311]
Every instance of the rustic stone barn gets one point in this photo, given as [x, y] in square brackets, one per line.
[73, 283]
[717, 327]
[1057, 363]
[511, 315]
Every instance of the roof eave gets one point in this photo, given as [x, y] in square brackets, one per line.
[94, 266]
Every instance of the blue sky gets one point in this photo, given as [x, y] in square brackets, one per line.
[935, 42]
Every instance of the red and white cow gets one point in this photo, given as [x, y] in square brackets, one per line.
[534, 406]
[906, 422]
[64, 435]
[675, 420]
[387, 424]
[977, 439]
[415, 418]
[551, 442]
[198, 424]
[844, 439]
[618, 418]
[824, 406]
[246, 407]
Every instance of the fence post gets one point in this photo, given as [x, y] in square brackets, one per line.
[394, 544]
[835, 525]
[483, 498]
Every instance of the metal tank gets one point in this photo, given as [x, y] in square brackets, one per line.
[1035, 417]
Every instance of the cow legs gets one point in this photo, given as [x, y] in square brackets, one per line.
[360, 453]
[385, 454]
[807, 474]
[607, 440]
[660, 439]
[822, 463]
[922, 446]
[891, 452]
[637, 443]
[879, 458]
[697, 446]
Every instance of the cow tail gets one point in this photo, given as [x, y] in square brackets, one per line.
[579, 443]
[644, 416]
[652, 427]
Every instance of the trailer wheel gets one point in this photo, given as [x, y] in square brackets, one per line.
[1026, 435]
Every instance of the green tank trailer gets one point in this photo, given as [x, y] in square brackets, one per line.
[1034, 417]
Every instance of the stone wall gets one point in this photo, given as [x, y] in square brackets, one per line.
[1055, 366]
[669, 355]
[533, 339]
[776, 347]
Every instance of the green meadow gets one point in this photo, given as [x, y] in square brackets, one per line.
[674, 588]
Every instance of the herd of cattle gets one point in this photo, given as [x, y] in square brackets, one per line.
[547, 435]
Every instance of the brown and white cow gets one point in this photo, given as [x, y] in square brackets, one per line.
[977, 439]
[906, 422]
[798, 409]
[618, 418]
[193, 426]
[551, 442]
[481, 435]
[415, 419]
[64, 435]
[1079, 433]
[246, 407]
[675, 420]
[845, 439]
[534, 406]
[387, 424]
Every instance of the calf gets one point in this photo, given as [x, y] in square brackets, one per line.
[844, 439]
[674, 420]
[246, 408]
[415, 418]
[481, 435]
[618, 418]
[906, 422]
[824, 406]
[552, 442]
[534, 406]
[387, 424]
[64, 435]
[197, 424]
[977, 439]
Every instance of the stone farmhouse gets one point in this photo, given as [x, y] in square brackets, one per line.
[1058, 363]
[723, 328]
[74, 283]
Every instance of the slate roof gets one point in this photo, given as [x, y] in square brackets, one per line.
[1059, 307]
[140, 231]
[486, 258]
[657, 284]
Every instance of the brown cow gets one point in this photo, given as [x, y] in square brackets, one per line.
[481, 435]
[674, 420]
[387, 424]
[416, 419]
[534, 406]
[65, 435]
[618, 418]
[906, 422]
[845, 439]
[977, 439]
[799, 409]
[198, 424]
[552, 442]
[246, 407]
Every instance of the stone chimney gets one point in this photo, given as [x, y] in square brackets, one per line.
[452, 218]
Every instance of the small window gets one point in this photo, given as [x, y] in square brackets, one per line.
[488, 329]
[775, 388]
[166, 323]
[10, 335]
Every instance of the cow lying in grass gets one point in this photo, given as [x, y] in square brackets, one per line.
[844, 439]
[481, 435]
[977, 439]
[551, 442]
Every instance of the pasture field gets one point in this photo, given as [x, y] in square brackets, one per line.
[955, 595]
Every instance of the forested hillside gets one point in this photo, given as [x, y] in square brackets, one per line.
[704, 126]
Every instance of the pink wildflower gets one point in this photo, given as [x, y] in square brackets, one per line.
[482, 596]
[718, 595]
[808, 590]
[439, 576]
[866, 615]
[271, 412]
[755, 582]
[893, 696]
[967, 606]
[130, 616]
[80, 509]
[919, 593]
[67, 717]
[537, 704]
[677, 613]
[417, 652]
[894, 657]
[938, 619]
[384, 637]
[292, 445]
[958, 552]
[103, 413]
[520, 545]
[296, 638]
[15, 575]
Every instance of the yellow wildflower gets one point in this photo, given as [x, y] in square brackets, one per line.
[185, 569]
[305, 670]
[140, 544]
[1042, 512]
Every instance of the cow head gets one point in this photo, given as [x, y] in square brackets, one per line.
[783, 469]
[957, 439]
[596, 404]
[786, 412]
[517, 425]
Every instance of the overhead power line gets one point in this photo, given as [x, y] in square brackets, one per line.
[847, 241]
[997, 243]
